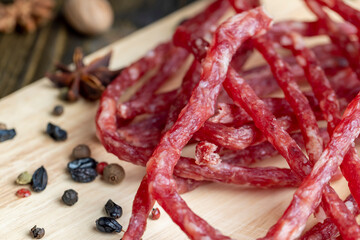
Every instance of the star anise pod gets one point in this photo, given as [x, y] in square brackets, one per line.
[87, 80]
[26, 14]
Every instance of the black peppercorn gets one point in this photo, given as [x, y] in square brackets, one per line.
[37, 233]
[39, 179]
[56, 132]
[114, 173]
[112, 209]
[58, 110]
[70, 197]
[108, 225]
[82, 163]
[81, 151]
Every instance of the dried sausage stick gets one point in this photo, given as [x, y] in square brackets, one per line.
[308, 195]
[227, 40]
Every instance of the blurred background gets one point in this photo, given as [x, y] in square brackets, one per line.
[28, 51]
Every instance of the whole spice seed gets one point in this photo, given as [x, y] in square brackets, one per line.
[7, 134]
[81, 151]
[56, 132]
[23, 193]
[155, 214]
[39, 179]
[88, 80]
[100, 167]
[82, 163]
[83, 175]
[37, 233]
[58, 110]
[108, 225]
[24, 178]
[70, 197]
[112, 209]
[114, 173]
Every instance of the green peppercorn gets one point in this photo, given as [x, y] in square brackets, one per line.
[24, 178]
[70, 197]
[114, 173]
[81, 151]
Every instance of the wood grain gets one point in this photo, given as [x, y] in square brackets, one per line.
[242, 213]
[27, 57]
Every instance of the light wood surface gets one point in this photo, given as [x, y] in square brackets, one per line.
[240, 212]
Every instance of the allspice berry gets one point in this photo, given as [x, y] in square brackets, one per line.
[81, 151]
[114, 173]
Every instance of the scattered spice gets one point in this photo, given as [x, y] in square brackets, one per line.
[112, 209]
[108, 225]
[81, 151]
[3, 126]
[23, 193]
[100, 167]
[89, 81]
[24, 178]
[83, 170]
[39, 179]
[114, 173]
[58, 110]
[7, 134]
[70, 197]
[37, 233]
[155, 214]
[56, 132]
[82, 163]
[25, 14]
[83, 175]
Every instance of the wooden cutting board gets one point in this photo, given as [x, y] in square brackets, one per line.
[240, 212]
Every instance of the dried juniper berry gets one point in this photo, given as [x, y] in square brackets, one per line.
[81, 151]
[56, 132]
[112, 209]
[7, 134]
[83, 175]
[108, 225]
[37, 233]
[39, 179]
[70, 197]
[82, 163]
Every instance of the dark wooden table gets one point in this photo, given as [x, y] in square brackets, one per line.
[24, 58]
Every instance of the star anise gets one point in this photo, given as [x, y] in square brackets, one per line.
[26, 14]
[89, 81]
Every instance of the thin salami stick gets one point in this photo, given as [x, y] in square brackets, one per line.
[306, 29]
[329, 105]
[328, 230]
[348, 13]
[173, 61]
[349, 48]
[299, 103]
[156, 104]
[238, 138]
[231, 114]
[143, 203]
[227, 39]
[307, 196]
